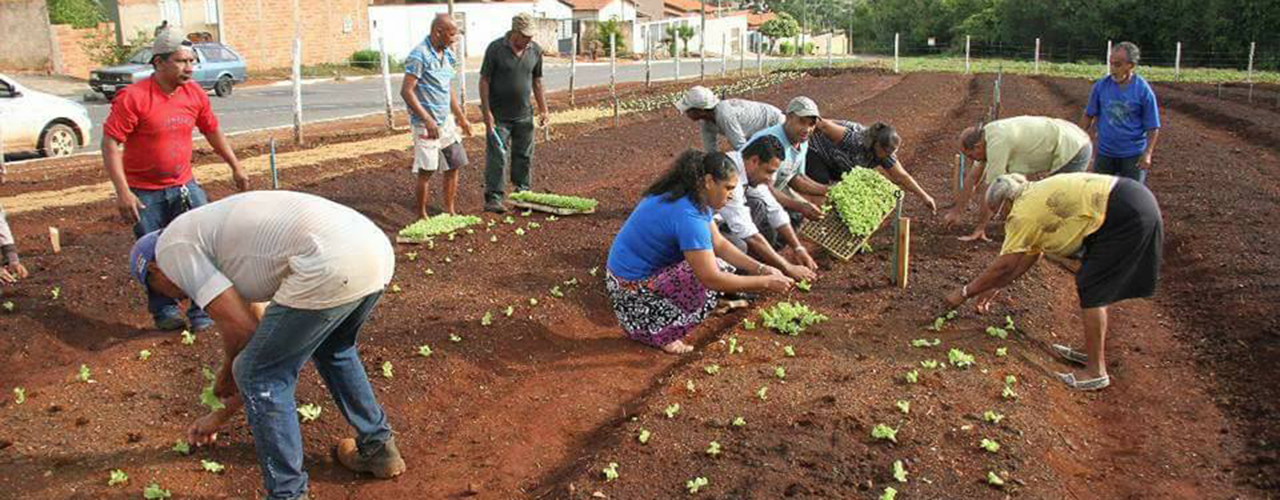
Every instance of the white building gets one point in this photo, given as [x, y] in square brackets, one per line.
[403, 26]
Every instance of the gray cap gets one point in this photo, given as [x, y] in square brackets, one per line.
[168, 41]
[522, 23]
[803, 106]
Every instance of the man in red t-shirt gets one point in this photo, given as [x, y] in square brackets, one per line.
[152, 119]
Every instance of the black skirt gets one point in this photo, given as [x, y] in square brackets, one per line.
[1122, 258]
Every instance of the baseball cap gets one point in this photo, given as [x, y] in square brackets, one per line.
[803, 106]
[522, 23]
[168, 41]
[143, 253]
[698, 97]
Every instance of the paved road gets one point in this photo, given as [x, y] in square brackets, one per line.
[266, 107]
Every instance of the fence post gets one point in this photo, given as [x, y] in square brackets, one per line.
[573, 68]
[829, 37]
[676, 41]
[648, 58]
[462, 69]
[386, 82]
[724, 53]
[275, 176]
[896, 39]
[613, 74]
[4, 169]
[297, 90]
[1037, 64]
[742, 53]
[702, 53]
[1106, 61]
[1252, 46]
[1177, 62]
[967, 40]
[759, 60]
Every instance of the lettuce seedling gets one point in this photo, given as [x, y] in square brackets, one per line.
[188, 338]
[181, 447]
[1008, 393]
[695, 484]
[1002, 351]
[83, 374]
[208, 398]
[487, 319]
[903, 406]
[593, 270]
[688, 386]
[429, 272]
[439, 224]
[739, 422]
[713, 449]
[610, 472]
[471, 231]
[959, 358]
[412, 256]
[386, 369]
[424, 350]
[1010, 380]
[804, 285]
[144, 355]
[780, 372]
[395, 288]
[899, 471]
[211, 466]
[155, 492]
[733, 345]
[555, 292]
[19, 395]
[789, 351]
[951, 315]
[989, 445]
[533, 302]
[493, 238]
[889, 493]
[453, 337]
[552, 218]
[1000, 333]
[912, 376]
[56, 292]
[994, 479]
[791, 319]
[309, 412]
[644, 436]
[882, 431]
[452, 236]
[747, 324]
[526, 213]
[931, 364]
[509, 311]
[519, 231]
[711, 369]
[117, 477]
[925, 342]
[1008, 323]
[672, 410]
[8, 306]
[991, 416]
[763, 393]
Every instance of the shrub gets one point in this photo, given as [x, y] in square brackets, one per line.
[786, 48]
[367, 58]
[77, 13]
[102, 48]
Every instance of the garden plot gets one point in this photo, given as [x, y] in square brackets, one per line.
[508, 377]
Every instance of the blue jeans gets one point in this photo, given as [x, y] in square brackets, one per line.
[162, 207]
[1120, 167]
[266, 373]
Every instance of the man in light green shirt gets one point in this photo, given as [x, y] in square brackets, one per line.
[1025, 145]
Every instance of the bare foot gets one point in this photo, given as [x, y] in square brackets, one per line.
[423, 215]
[976, 236]
[677, 347]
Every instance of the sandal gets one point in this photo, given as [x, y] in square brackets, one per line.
[1093, 384]
[1070, 354]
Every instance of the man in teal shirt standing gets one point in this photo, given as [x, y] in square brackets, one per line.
[1124, 108]
[428, 78]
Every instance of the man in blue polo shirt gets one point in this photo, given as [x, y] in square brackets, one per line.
[1124, 109]
[790, 182]
[429, 72]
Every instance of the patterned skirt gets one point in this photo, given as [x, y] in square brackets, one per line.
[662, 308]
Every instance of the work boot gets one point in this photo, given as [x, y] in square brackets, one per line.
[385, 463]
[495, 206]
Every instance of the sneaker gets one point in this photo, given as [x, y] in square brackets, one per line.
[201, 323]
[495, 206]
[384, 464]
[170, 323]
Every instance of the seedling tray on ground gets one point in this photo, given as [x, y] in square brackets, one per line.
[833, 235]
[550, 209]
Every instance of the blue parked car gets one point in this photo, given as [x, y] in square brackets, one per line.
[218, 68]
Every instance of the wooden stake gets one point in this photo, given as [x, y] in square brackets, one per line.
[904, 251]
[573, 68]
[55, 240]
[386, 83]
[957, 176]
[613, 74]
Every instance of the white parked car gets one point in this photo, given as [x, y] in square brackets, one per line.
[36, 121]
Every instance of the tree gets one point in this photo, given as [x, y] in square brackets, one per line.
[783, 26]
[611, 27]
[682, 31]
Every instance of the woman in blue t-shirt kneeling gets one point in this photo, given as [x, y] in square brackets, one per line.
[669, 263]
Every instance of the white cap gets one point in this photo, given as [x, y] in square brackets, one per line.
[803, 106]
[168, 41]
[697, 98]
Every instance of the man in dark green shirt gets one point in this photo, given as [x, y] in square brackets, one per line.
[511, 71]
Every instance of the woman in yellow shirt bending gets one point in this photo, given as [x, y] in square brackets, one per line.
[1116, 222]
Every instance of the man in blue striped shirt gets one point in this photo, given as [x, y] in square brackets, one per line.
[429, 72]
